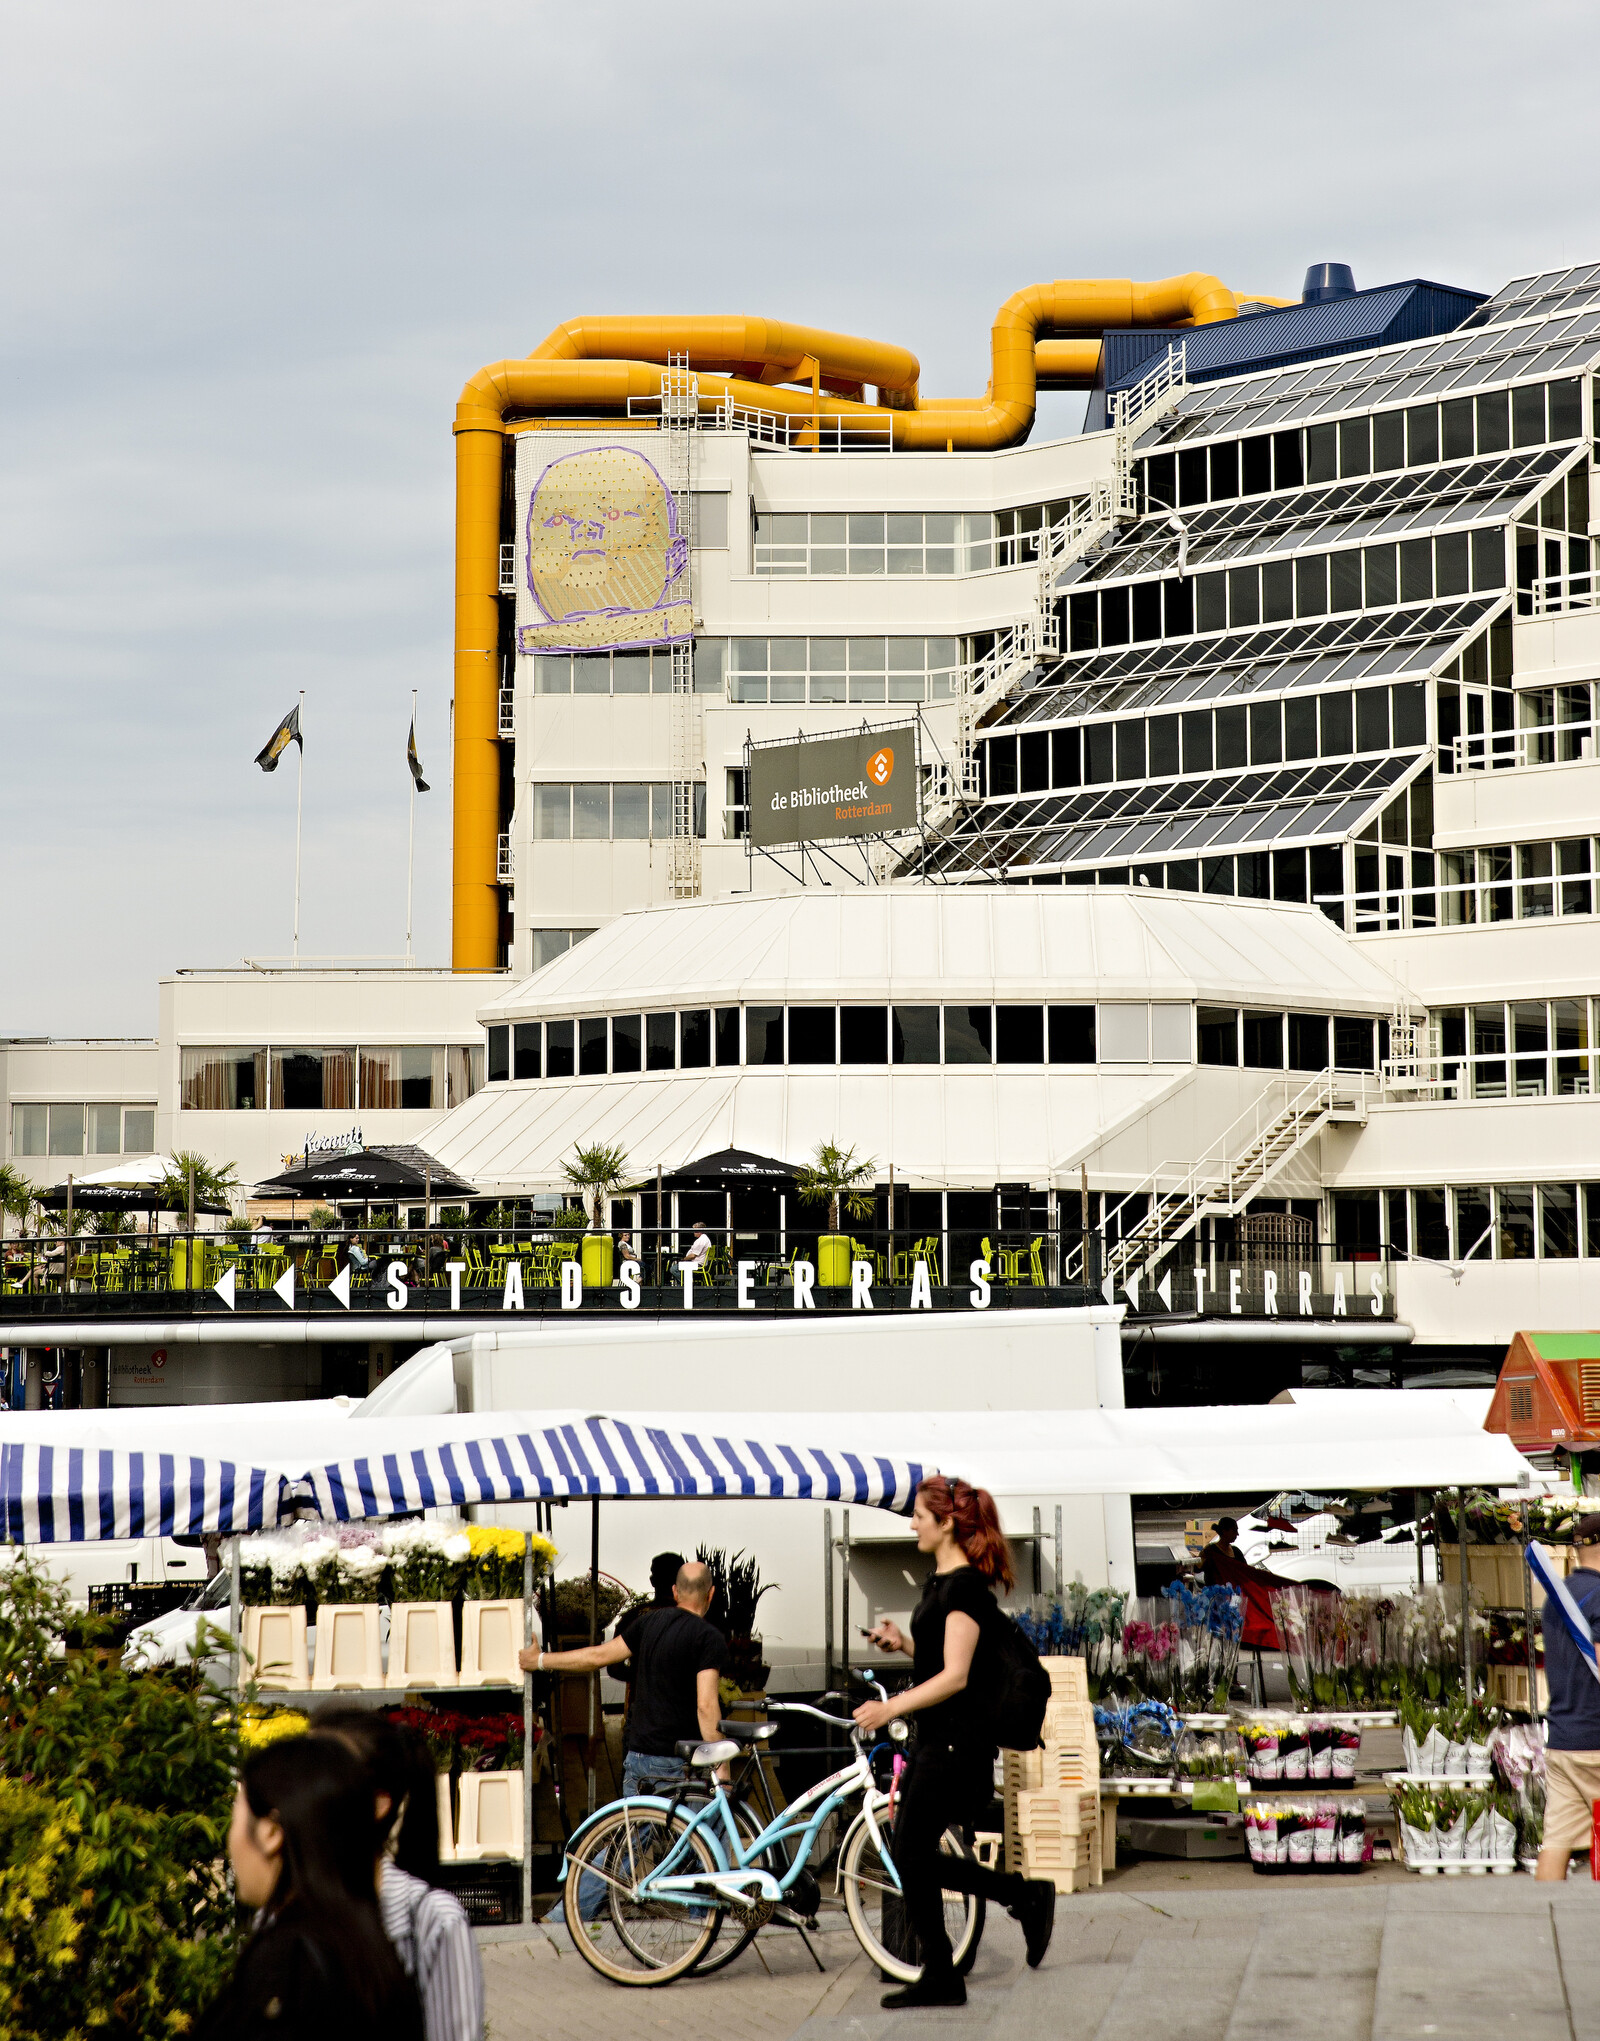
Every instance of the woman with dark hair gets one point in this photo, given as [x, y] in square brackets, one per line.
[318, 1966]
[949, 1778]
[428, 1928]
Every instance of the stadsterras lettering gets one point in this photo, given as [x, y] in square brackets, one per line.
[815, 790]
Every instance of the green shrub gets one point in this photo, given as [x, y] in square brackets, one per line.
[115, 1795]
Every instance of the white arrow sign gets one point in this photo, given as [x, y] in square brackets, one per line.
[1132, 1288]
[1164, 1289]
[224, 1289]
[285, 1286]
[340, 1286]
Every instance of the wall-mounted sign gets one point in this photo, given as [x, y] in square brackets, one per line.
[820, 789]
[604, 560]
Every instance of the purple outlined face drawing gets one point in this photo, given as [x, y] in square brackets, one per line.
[605, 561]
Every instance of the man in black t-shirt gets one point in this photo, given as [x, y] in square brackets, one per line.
[676, 1659]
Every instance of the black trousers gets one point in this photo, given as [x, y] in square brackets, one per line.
[943, 1786]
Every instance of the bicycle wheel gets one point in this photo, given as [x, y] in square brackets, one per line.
[877, 1912]
[627, 1939]
[723, 1949]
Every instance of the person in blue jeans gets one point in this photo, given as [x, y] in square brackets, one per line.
[676, 1656]
[1572, 1726]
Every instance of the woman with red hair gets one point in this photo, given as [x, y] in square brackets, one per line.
[950, 1776]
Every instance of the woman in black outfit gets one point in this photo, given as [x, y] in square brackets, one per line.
[318, 1966]
[950, 1776]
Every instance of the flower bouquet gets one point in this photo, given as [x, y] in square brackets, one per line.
[495, 1565]
[428, 1560]
[356, 1569]
[1150, 1650]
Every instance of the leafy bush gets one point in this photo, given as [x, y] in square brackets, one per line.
[116, 1790]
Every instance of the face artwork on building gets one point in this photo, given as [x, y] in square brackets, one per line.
[606, 565]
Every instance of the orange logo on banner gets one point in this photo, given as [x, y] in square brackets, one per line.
[880, 767]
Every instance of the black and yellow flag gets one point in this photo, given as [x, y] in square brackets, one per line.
[413, 761]
[287, 733]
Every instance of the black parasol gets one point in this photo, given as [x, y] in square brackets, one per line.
[369, 1176]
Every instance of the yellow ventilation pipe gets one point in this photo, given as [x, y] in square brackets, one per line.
[595, 365]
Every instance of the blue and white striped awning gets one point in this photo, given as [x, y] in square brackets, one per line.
[600, 1456]
[72, 1494]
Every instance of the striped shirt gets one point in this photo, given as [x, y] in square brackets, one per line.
[435, 1946]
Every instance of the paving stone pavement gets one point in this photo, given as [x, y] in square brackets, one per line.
[1479, 1960]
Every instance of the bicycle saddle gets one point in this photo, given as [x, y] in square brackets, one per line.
[693, 1752]
[747, 1732]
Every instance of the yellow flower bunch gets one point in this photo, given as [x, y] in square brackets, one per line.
[259, 1727]
[497, 1538]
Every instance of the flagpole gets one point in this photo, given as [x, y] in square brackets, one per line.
[411, 832]
[299, 801]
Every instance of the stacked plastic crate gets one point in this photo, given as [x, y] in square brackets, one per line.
[1052, 1796]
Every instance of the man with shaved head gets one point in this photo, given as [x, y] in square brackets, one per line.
[677, 1658]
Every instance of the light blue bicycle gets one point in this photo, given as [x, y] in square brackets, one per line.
[670, 1873]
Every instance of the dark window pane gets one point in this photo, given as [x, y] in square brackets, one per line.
[1494, 422]
[1566, 410]
[1019, 1034]
[1256, 461]
[1456, 434]
[1383, 585]
[694, 1038]
[1114, 616]
[1288, 468]
[1322, 453]
[1225, 469]
[1083, 622]
[1344, 581]
[1217, 1033]
[1432, 1225]
[1311, 586]
[1244, 595]
[1308, 1041]
[1183, 875]
[1002, 765]
[1146, 611]
[1266, 733]
[1072, 1034]
[1034, 747]
[560, 1059]
[763, 1034]
[1164, 763]
[1211, 602]
[1192, 476]
[1355, 446]
[1410, 714]
[811, 1038]
[1130, 750]
[1352, 1045]
[591, 1048]
[1327, 878]
[1097, 754]
[1416, 569]
[1527, 415]
[966, 1034]
[1066, 763]
[497, 1064]
[1197, 747]
[1178, 597]
[1254, 875]
[1388, 442]
[1263, 1041]
[1337, 726]
[1277, 591]
[1216, 875]
[916, 1034]
[1489, 558]
[1231, 737]
[1161, 480]
[661, 1041]
[1422, 435]
[1300, 727]
[863, 1034]
[1288, 875]
[1372, 719]
[1450, 573]
[527, 1048]
[727, 1034]
[627, 1043]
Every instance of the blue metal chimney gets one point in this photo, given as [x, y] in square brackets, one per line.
[1328, 280]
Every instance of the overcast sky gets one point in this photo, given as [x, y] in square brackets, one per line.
[249, 256]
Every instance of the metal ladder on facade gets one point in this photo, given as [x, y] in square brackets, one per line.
[680, 410]
[1234, 1170]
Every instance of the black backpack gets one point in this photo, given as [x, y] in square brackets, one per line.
[1017, 1687]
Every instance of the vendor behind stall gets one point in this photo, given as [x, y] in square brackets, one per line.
[1224, 1566]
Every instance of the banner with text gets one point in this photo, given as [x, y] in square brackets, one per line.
[816, 791]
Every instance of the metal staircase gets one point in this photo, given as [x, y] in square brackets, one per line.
[1234, 1170]
[1020, 648]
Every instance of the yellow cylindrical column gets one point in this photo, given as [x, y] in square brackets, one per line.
[475, 925]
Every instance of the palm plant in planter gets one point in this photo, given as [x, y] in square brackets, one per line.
[596, 1172]
[737, 1590]
[836, 1178]
[16, 1195]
